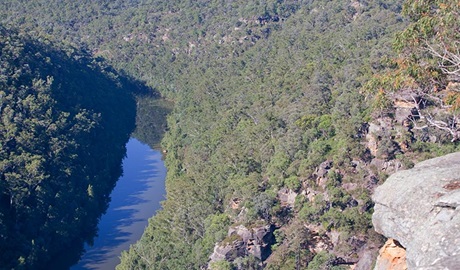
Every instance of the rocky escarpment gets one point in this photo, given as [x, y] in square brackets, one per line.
[242, 242]
[420, 208]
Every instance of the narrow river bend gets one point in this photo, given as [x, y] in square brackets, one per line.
[134, 200]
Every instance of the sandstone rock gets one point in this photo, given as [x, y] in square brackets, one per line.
[453, 86]
[420, 209]
[311, 193]
[235, 203]
[403, 113]
[319, 241]
[372, 133]
[386, 166]
[323, 168]
[366, 259]
[256, 241]
[228, 252]
[287, 197]
[242, 231]
[391, 256]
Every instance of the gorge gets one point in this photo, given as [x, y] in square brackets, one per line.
[287, 115]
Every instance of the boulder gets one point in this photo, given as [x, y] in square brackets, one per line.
[256, 241]
[287, 197]
[420, 209]
[323, 169]
[229, 251]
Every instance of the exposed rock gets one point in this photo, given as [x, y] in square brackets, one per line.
[229, 251]
[375, 130]
[386, 166]
[404, 97]
[256, 241]
[319, 241]
[323, 168]
[391, 256]
[235, 203]
[403, 114]
[287, 197]
[242, 231]
[366, 259]
[420, 209]
[371, 138]
[349, 186]
[404, 111]
[311, 193]
[453, 86]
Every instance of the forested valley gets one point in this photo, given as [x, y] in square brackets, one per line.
[287, 114]
[64, 123]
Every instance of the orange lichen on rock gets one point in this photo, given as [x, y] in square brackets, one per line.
[392, 256]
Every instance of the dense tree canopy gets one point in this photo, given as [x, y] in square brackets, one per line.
[269, 95]
[63, 127]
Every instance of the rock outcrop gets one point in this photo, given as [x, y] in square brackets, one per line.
[242, 242]
[420, 208]
[287, 197]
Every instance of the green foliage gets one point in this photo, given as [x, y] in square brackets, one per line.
[63, 125]
[425, 70]
[221, 265]
[264, 92]
[323, 261]
[311, 211]
[248, 262]
[293, 183]
[263, 204]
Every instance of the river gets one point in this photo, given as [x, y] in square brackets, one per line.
[134, 200]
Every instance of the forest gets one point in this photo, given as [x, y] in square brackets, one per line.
[64, 123]
[314, 99]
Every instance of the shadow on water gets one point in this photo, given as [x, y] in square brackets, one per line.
[140, 189]
[138, 192]
[151, 121]
[135, 198]
[91, 110]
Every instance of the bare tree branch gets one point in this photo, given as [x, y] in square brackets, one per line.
[449, 60]
[451, 126]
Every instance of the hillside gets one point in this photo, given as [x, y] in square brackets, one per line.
[64, 123]
[284, 119]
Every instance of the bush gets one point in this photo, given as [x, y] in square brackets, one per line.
[293, 183]
[221, 265]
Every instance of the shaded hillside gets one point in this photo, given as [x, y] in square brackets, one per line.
[272, 128]
[64, 123]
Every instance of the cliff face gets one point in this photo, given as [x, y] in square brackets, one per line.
[420, 209]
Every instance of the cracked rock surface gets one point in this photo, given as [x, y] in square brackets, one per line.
[420, 209]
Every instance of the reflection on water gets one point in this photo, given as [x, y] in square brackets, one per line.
[135, 199]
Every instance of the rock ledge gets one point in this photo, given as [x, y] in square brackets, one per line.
[420, 209]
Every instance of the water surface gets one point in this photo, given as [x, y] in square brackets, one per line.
[135, 199]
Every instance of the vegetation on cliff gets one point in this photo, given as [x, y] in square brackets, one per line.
[269, 96]
[426, 73]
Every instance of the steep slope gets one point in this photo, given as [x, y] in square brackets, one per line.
[248, 125]
[271, 128]
[63, 126]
